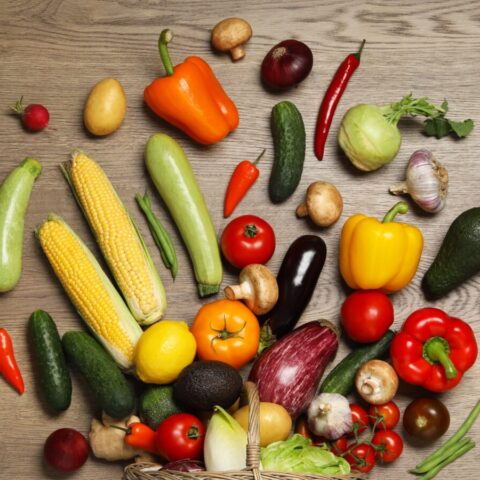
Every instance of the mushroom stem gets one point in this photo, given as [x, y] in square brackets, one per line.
[302, 210]
[237, 53]
[369, 386]
[238, 292]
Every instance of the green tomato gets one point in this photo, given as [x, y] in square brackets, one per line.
[367, 138]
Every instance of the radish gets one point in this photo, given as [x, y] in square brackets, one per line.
[34, 117]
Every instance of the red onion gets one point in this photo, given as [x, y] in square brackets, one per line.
[286, 64]
[185, 466]
[66, 450]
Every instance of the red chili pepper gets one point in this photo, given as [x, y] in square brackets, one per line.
[332, 97]
[140, 436]
[433, 350]
[243, 177]
[8, 365]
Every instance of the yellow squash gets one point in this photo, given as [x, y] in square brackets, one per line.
[379, 255]
[119, 240]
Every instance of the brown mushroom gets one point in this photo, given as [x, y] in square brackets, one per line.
[376, 382]
[258, 288]
[323, 204]
[230, 35]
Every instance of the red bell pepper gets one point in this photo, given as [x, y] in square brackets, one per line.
[433, 350]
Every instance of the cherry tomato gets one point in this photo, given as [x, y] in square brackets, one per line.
[361, 458]
[228, 331]
[339, 446]
[179, 437]
[389, 413]
[366, 315]
[247, 239]
[426, 419]
[389, 445]
[359, 418]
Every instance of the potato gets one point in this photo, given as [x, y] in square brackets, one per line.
[105, 107]
[275, 422]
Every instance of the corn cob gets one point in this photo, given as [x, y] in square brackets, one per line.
[118, 237]
[90, 290]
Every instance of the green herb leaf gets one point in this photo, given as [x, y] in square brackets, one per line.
[437, 127]
[444, 106]
[461, 129]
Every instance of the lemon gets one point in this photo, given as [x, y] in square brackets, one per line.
[163, 351]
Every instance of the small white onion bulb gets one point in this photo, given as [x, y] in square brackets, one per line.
[426, 182]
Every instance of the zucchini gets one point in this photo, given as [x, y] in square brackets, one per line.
[103, 376]
[173, 177]
[55, 381]
[342, 378]
[288, 133]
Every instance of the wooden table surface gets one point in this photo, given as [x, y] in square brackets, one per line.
[52, 52]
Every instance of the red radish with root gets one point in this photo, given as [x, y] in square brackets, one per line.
[34, 116]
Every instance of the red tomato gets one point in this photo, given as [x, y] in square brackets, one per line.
[389, 445]
[361, 458]
[366, 315]
[359, 418]
[248, 239]
[339, 446]
[389, 413]
[180, 437]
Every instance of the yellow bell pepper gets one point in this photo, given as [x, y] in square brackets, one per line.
[379, 255]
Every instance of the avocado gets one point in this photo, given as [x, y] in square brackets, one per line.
[206, 383]
[156, 404]
[458, 258]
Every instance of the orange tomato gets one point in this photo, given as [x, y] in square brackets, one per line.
[226, 330]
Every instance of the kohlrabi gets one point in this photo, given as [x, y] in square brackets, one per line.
[369, 135]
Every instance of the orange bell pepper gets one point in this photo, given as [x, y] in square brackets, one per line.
[191, 98]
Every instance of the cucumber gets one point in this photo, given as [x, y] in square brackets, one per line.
[173, 177]
[103, 376]
[156, 404]
[14, 197]
[55, 381]
[342, 378]
[288, 133]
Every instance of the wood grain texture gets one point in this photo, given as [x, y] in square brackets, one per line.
[53, 51]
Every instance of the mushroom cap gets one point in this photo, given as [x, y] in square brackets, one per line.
[263, 286]
[323, 203]
[376, 382]
[230, 33]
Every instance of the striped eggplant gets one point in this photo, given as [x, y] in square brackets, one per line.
[288, 373]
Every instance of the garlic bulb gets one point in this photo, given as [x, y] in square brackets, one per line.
[426, 182]
[329, 416]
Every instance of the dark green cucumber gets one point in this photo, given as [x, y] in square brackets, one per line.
[156, 404]
[342, 378]
[55, 381]
[458, 258]
[288, 133]
[106, 380]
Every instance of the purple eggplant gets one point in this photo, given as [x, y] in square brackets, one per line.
[297, 279]
[289, 372]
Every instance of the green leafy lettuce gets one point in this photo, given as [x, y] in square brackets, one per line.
[297, 454]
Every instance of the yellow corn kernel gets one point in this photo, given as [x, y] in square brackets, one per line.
[90, 290]
[118, 238]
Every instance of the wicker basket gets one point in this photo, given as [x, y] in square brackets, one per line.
[151, 471]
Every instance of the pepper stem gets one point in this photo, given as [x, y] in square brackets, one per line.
[163, 41]
[128, 430]
[437, 350]
[400, 207]
[260, 156]
[359, 53]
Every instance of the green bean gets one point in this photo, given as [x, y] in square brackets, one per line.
[160, 235]
[446, 448]
[467, 446]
